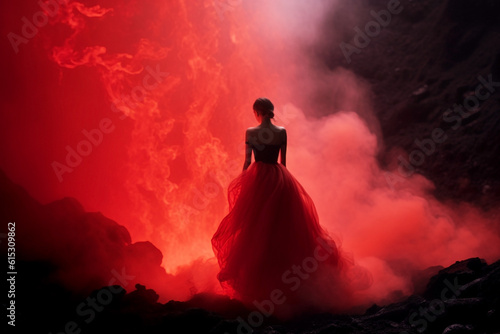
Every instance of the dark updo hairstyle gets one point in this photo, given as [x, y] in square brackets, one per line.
[264, 107]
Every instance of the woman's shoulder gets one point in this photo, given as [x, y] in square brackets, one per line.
[256, 128]
[281, 131]
[251, 130]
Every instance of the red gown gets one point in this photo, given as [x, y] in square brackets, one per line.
[271, 243]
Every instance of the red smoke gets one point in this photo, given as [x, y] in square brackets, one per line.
[139, 109]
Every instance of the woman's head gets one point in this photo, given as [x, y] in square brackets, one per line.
[264, 107]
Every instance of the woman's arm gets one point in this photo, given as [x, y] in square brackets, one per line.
[248, 151]
[283, 148]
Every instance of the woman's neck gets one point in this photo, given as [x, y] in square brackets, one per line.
[265, 121]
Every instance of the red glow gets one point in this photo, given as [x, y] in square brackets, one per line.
[177, 79]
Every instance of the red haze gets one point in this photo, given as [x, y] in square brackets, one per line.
[173, 83]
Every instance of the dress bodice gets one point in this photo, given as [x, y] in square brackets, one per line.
[272, 226]
[266, 153]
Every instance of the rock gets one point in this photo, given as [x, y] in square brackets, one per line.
[489, 285]
[144, 252]
[457, 329]
[373, 309]
[451, 279]
[466, 11]
[420, 92]
[486, 189]
[421, 278]
[142, 296]
[471, 289]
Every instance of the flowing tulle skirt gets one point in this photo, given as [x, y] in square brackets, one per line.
[271, 246]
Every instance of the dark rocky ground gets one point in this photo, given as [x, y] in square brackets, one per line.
[463, 298]
[426, 60]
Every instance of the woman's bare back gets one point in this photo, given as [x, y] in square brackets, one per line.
[266, 135]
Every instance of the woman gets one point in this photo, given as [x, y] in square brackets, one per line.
[270, 246]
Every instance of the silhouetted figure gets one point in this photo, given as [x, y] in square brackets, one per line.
[271, 243]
